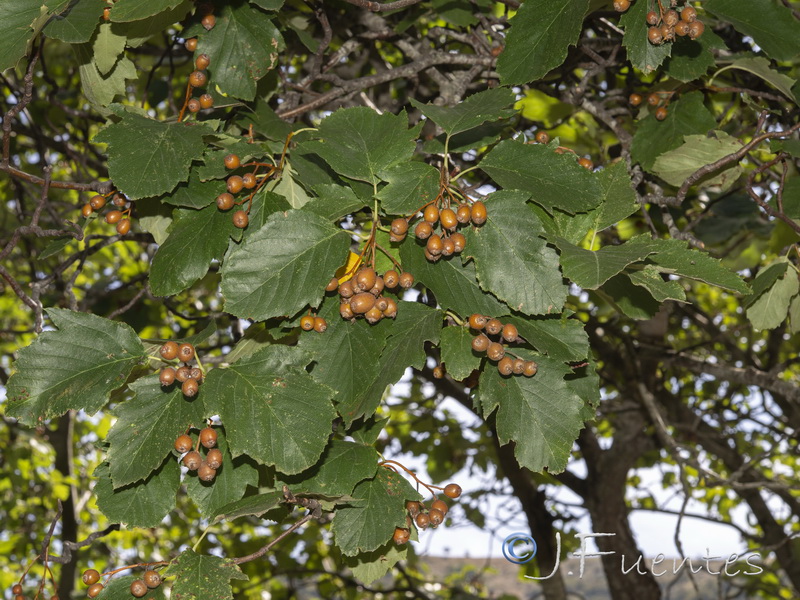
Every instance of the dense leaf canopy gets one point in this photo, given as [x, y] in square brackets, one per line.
[569, 229]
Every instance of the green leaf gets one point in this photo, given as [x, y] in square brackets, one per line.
[107, 48]
[477, 137]
[119, 588]
[359, 143]
[347, 355]
[213, 166]
[410, 186]
[289, 187]
[138, 32]
[591, 269]
[101, 90]
[454, 284]
[488, 105]
[135, 10]
[16, 29]
[513, 263]
[771, 24]
[197, 237]
[789, 145]
[415, 324]
[342, 466]
[771, 307]
[277, 415]
[283, 266]
[541, 414]
[572, 228]
[687, 116]
[370, 520]
[760, 67]
[141, 170]
[585, 382]
[674, 256]
[268, 4]
[643, 55]
[264, 120]
[76, 367]
[692, 59]
[73, 21]
[765, 279]
[458, 12]
[541, 32]
[334, 201]
[264, 205]
[371, 566]
[650, 278]
[55, 247]
[631, 300]
[142, 504]
[791, 197]
[250, 506]
[244, 46]
[617, 194]
[457, 355]
[228, 486]
[368, 430]
[199, 577]
[561, 339]
[146, 429]
[794, 314]
[677, 165]
[195, 193]
[553, 180]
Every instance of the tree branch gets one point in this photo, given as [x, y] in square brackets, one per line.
[315, 512]
[404, 71]
[734, 157]
[380, 7]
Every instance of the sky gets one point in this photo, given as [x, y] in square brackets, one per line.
[654, 531]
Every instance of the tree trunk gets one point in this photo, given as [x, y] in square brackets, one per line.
[61, 440]
[604, 497]
[540, 521]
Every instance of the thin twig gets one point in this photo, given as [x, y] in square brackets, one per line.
[380, 7]
[734, 157]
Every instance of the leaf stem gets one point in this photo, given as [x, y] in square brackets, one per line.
[203, 535]
[387, 464]
[455, 317]
[465, 171]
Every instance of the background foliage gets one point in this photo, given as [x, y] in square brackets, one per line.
[657, 291]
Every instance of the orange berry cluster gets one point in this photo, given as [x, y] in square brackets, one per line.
[237, 183]
[198, 79]
[666, 24]
[312, 322]
[424, 517]
[189, 377]
[139, 587]
[16, 591]
[495, 350]
[119, 216]
[658, 100]
[193, 460]
[448, 241]
[361, 296]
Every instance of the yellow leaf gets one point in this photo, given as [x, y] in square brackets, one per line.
[347, 270]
